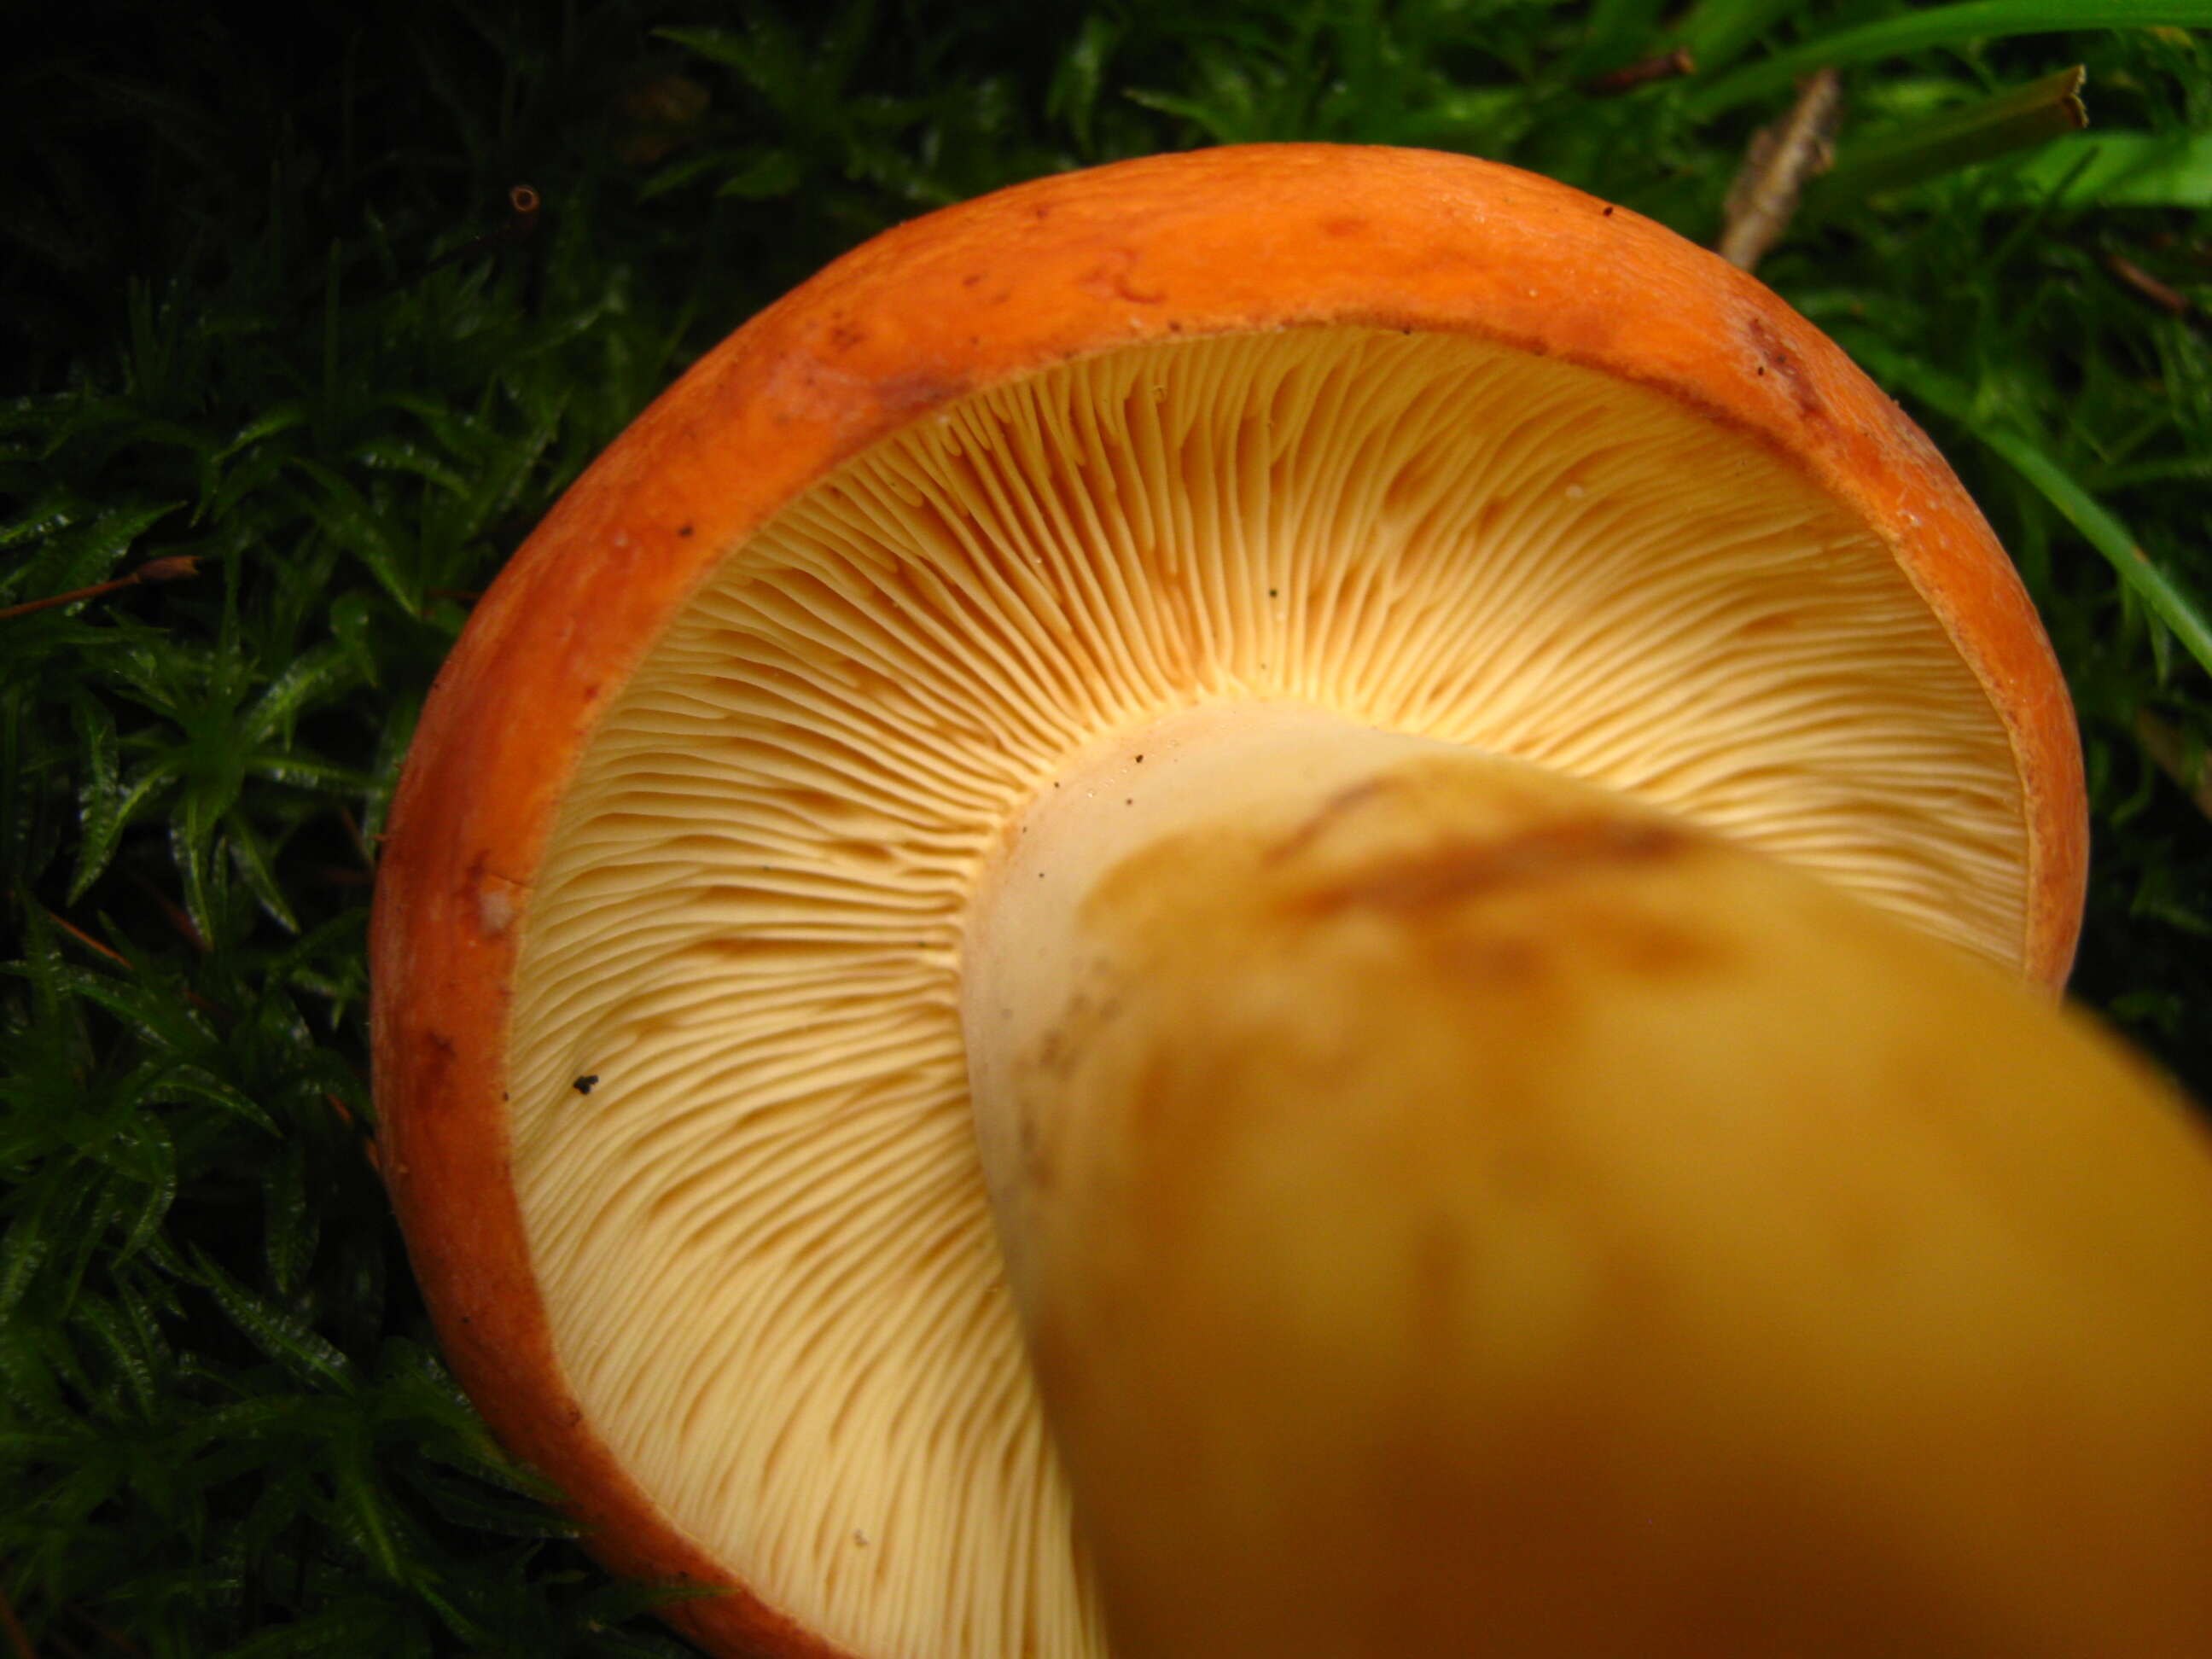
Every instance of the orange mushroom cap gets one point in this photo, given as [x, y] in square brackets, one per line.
[1239, 241]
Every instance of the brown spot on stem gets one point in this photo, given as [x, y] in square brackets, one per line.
[1460, 869]
[1343, 801]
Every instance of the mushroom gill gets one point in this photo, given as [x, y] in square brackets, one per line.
[747, 928]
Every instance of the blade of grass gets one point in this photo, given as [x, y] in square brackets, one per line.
[1717, 32]
[1617, 32]
[2161, 592]
[2118, 169]
[2176, 756]
[1937, 26]
[2018, 119]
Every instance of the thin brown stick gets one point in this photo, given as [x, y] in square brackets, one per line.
[360, 842]
[179, 918]
[367, 1136]
[1779, 161]
[2170, 750]
[1662, 66]
[19, 1639]
[87, 939]
[2171, 300]
[175, 568]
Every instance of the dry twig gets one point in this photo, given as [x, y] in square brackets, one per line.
[2171, 300]
[2170, 751]
[1780, 159]
[175, 568]
[19, 1639]
[86, 939]
[1664, 66]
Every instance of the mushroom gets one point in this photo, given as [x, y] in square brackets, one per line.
[1266, 899]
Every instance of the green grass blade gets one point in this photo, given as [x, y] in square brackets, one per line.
[314, 678]
[1939, 26]
[2162, 593]
[2018, 119]
[255, 867]
[2115, 169]
[280, 1335]
[1718, 31]
[99, 792]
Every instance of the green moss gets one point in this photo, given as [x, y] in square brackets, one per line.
[273, 311]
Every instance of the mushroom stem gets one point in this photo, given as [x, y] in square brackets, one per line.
[1455, 1210]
